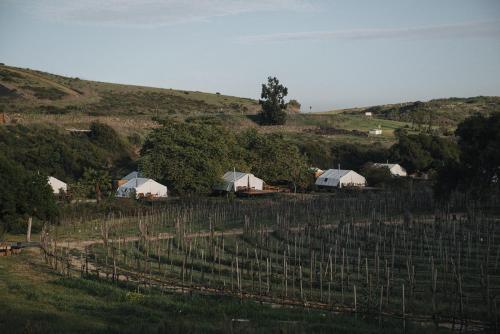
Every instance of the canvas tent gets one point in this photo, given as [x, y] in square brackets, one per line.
[142, 187]
[340, 178]
[234, 181]
[395, 169]
[57, 185]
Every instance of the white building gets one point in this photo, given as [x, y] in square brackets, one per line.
[368, 113]
[395, 169]
[376, 132]
[57, 185]
[234, 181]
[142, 187]
[340, 178]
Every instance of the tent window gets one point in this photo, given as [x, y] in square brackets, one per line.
[326, 179]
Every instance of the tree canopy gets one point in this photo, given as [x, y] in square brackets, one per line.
[274, 159]
[422, 152]
[478, 169]
[28, 195]
[188, 157]
[62, 154]
[273, 102]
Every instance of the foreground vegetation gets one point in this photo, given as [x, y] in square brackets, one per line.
[35, 299]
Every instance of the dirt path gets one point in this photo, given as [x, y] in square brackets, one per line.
[52, 83]
[82, 244]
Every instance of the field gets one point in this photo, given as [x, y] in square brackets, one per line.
[357, 255]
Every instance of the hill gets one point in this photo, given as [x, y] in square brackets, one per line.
[445, 113]
[30, 96]
[26, 91]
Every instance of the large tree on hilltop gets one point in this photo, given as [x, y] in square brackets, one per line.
[273, 102]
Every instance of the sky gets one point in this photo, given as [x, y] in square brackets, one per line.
[330, 54]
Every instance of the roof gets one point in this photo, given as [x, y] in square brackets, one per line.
[133, 175]
[53, 179]
[135, 183]
[233, 176]
[384, 165]
[335, 173]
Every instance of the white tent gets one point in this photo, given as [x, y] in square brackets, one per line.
[340, 178]
[234, 181]
[57, 185]
[395, 169]
[142, 187]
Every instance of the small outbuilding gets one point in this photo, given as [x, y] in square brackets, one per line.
[340, 178]
[368, 113]
[375, 132]
[142, 187]
[57, 185]
[395, 169]
[238, 181]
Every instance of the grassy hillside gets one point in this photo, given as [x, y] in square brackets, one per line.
[25, 91]
[440, 112]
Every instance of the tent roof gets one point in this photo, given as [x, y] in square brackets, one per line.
[52, 179]
[137, 182]
[133, 175]
[335, 173]
[234, 176]
[378, 164]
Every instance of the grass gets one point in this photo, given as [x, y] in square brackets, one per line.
[38, 90]
[34, 299]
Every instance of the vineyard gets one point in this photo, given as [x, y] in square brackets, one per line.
[393, 256]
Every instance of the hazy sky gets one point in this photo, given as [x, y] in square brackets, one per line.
[330, 54]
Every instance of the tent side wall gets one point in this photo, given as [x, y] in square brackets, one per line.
[398, 170]
[353, 179]
[152, 187]
[240, 183]
[256, 183]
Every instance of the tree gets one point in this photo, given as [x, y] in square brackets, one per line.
[293, 106]
[478, 170]
[274, 159]
[273, 103]
[189, 157]
[27, 195]
[376, 176]
[422, 152]
[97, 180]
